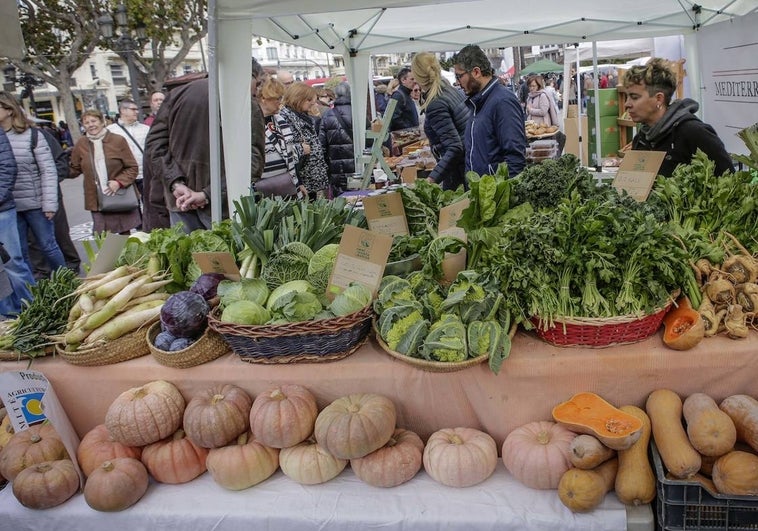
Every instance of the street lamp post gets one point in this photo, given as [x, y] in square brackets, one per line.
[126, 43]
[26, 80]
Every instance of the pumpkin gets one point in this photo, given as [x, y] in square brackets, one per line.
[146, 414]
[36, 444]
[175, 459]
[217, 415]
[355, 425]
[710, 430]
[460, 457]
[242, 464]
[98, 446]
[6, 428]
[309, 463]
[583, 490]
[683, 326]
[538, 453]
[394, 463]
[587, 452]
[283, 416]
[590, 414]
[47, 484]
[635, 479]
[736, 473]
[116, 484]
[664, 407]
[743, 410]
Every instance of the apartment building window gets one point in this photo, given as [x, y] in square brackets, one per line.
[272, 54]
[118, 75]
[93, 70]
[187, 69]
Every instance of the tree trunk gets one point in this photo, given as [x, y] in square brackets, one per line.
[69, 109]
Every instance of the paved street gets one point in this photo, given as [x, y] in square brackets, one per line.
[79, 220]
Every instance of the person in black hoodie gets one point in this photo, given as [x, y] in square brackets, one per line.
[669, 126]
[336, 136]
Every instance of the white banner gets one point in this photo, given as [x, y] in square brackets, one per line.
[729, 73]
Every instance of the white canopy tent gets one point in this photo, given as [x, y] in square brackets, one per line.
[359, 28]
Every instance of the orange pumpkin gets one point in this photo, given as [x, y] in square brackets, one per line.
[46, 484]
[283, 416]
[116, 484]
[98, 446]
[460, 457]
[394, 463]
[683, 326]
[31, 446]
[146, 414]
[217, 415]
[355, 425]
[175, 459]
[242, 464]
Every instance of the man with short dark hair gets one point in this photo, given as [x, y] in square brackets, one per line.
[495, 132]
[156, 100]
[405, 115]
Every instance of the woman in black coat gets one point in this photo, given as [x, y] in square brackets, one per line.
[336, 136]
[445, 122]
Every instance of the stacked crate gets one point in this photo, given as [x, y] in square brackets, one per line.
[608, 135]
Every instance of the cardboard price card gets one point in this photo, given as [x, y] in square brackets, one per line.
[218, 262]
[29, 399]
[361, 258]
[385, 214]
[453, 263]
[637, 173]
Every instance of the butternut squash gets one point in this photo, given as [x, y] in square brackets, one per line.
[683, 326]
[583, 490]
[664, 407]
[635, 480]
[587, 452]
[743, 410]
[710, 430]
[736, 473]
[590, 414]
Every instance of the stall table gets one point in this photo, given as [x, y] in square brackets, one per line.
[533, 379]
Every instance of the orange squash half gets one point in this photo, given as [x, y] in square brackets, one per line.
[683, 326]
[588, 413]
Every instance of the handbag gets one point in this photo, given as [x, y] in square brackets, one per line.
[123, 200]
[276, 185]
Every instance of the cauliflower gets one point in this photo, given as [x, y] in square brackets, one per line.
[393, 291]
[446, 340]
[403, 328]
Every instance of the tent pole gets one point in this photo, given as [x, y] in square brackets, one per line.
[596, 88]
[213, 113]
[579, 109]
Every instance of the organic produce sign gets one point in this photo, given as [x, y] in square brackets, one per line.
[385, 213]
[637, 173]
[361, 258]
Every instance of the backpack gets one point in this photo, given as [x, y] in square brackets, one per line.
[60, 156]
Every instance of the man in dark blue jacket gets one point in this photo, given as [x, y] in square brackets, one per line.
[405, 114]
[495, 132]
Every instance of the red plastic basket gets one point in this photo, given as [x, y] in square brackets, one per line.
[600, 332]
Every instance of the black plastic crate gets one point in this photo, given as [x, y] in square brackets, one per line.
[685, 505]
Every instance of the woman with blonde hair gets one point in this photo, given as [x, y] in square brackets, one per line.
[445, 122]
[107, 162]
[36, 189]
[297, 104]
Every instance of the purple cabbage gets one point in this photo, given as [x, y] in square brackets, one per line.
[185, 314]
[206, 285]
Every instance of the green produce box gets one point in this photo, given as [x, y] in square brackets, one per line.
[609, 103]
[609, 131]
[607, 149]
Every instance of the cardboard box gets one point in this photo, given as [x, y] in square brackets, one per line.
[609, 130]
[609, 102]
[571, 130]
[572, 111]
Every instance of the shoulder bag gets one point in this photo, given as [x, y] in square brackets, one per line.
[124, 200]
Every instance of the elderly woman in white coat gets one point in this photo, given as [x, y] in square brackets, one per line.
[36, 188]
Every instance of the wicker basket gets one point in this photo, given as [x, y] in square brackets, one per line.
[601, 332]
[434, 366]
[207, 348]
[127, 347]
[302, 342]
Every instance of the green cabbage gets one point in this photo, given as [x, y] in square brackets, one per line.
[293, 285]
[296, 306]
[248, 289]
[245, 312]
[353, 298]
[320, 266]
[287, 263]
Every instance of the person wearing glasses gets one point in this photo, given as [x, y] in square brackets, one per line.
[445, 122]
[416, 97]
[495, 133]
[135, 133]
[669, 126]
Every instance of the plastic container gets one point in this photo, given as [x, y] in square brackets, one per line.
[685, 505]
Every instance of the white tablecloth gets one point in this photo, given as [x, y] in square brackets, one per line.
[279, 504]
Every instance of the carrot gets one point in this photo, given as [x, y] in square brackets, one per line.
[125, 322]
